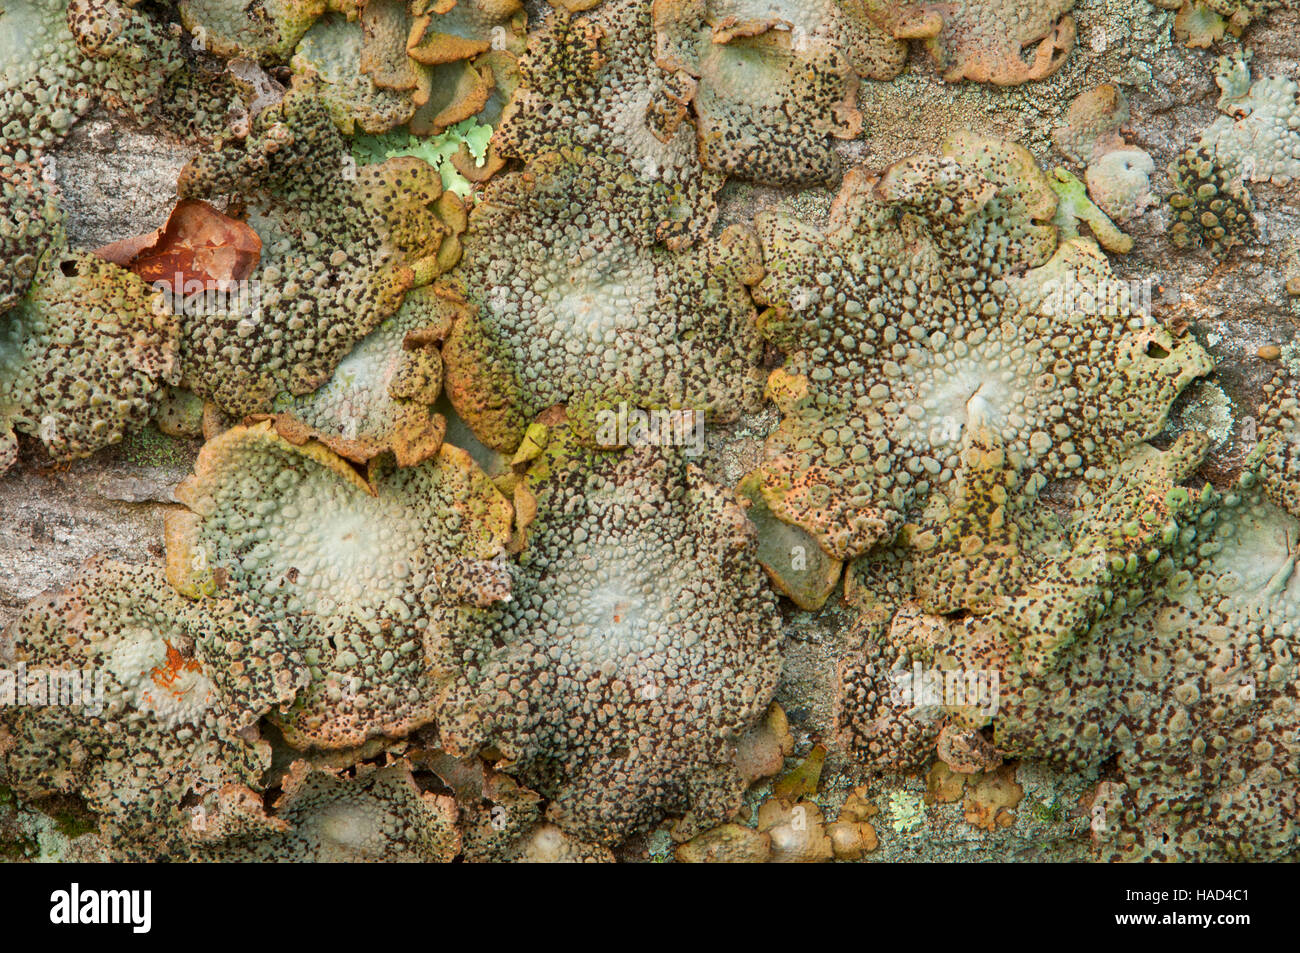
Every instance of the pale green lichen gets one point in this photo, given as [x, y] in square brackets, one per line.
[375, 571]
[906, 812]
[381, 396]
[253, 29]
[763, 103]
[914, 310]
[345, 587]
[341, 244]
[1208, 410]
[1201, 23]
[597, 316]
[992, 583]
[1258, 141]
[638, 644]
[1118, 174]
[57, 59]
[331, 53]
[378, 816]
[592, 81]
[161, 730]
[84, 356]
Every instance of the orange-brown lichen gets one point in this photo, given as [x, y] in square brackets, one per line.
[985, 40]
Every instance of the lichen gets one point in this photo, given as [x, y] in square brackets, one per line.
[1202, 23]
[1212, 209]
[763, 103]
[1074, 206]
[381, 396]
[166, 734]
[1118, 174]
[985, 40]
[592, 81]
[932, 297]
[638, 644]
[458, 152]
[1199, 760]
[379, 816]
[341, 244]
[57, 59]
[376, 571]
[907, 812]
[1008, 600]
[1130, 602]
[85, 355]
[1257, 141]
[252, 29]
[597, 315]
[483, 554]
[330, 53]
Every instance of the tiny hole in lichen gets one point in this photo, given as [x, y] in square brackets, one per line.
[1156, 351]
[68, 267]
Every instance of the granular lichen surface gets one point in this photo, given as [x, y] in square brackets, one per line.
[689, 430]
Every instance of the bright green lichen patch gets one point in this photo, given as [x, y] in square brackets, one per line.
[1074, 206]
[150, 447]
[439, 151]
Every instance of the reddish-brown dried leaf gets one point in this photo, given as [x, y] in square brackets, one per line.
[197, 243]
